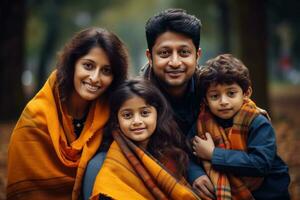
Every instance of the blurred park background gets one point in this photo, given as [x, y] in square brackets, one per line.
[262, 33]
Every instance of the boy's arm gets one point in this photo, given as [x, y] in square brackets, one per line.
[258, 159]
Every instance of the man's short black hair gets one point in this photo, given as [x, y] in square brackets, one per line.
[173, 20]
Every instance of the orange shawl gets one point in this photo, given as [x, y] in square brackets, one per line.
[45, 160]
[128, 172]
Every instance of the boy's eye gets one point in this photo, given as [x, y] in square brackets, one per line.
[231, 93]
[213, 97]
[106, 70]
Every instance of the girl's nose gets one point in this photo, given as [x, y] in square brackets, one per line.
[137, 120]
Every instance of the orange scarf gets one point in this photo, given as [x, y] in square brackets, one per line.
[228, 186]
[45, 160]
[128, 172]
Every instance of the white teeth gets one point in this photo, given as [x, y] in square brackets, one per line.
[91, 87]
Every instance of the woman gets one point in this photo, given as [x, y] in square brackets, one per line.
[60, 129]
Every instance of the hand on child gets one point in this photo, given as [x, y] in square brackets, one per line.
[203, 148]
[204, 188]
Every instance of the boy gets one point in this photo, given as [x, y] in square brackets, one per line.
[240, 151]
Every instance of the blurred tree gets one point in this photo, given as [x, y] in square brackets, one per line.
[52, 18]
[251, 28]
[12, 21]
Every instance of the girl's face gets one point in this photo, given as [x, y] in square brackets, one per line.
[137, 120]
[92, 75]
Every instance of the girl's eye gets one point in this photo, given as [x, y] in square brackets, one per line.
[106, 70]
[126, 115]
[145, 113]
[88, 66]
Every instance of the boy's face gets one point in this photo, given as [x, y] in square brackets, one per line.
[225, 100]
[174, 59]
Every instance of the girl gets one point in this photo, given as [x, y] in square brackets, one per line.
[144, 131]
[61, 127]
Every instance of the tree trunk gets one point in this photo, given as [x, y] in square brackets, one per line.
[250, 16]
[12, 21]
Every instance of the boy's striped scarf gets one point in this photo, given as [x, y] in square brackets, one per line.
[228, 186]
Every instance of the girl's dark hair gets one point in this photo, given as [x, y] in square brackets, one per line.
[223, 69]
[167, 140]
[79, 46]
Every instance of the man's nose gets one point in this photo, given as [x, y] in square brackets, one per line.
[175, 60]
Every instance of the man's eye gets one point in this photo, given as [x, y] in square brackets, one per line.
[163, 53]
[185, 52]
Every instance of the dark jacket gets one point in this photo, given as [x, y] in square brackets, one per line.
[260, 160]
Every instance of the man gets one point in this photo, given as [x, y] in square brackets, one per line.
[173, 39]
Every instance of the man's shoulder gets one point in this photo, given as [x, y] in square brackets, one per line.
[145, 71]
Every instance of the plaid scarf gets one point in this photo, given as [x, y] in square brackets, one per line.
[228, 186]
[129, 172]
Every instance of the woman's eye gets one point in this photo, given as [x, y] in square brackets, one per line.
[87, 65]
[106, 70]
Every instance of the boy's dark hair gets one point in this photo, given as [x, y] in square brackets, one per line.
[166, 141]
[224, 69]
[173, 20]
[80, 45]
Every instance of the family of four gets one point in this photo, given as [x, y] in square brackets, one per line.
[178, 131]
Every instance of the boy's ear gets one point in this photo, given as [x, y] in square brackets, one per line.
[248, 93]
[148, 54]
[204, 101]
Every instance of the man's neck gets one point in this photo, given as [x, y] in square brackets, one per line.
[176, 92]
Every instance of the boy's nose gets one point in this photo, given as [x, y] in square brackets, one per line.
[223, 100]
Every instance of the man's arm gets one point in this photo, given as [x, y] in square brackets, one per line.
[199, 180]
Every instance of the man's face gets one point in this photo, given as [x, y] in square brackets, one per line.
[174, 59]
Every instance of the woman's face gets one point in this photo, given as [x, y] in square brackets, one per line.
[92, 74]
[137, 120]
